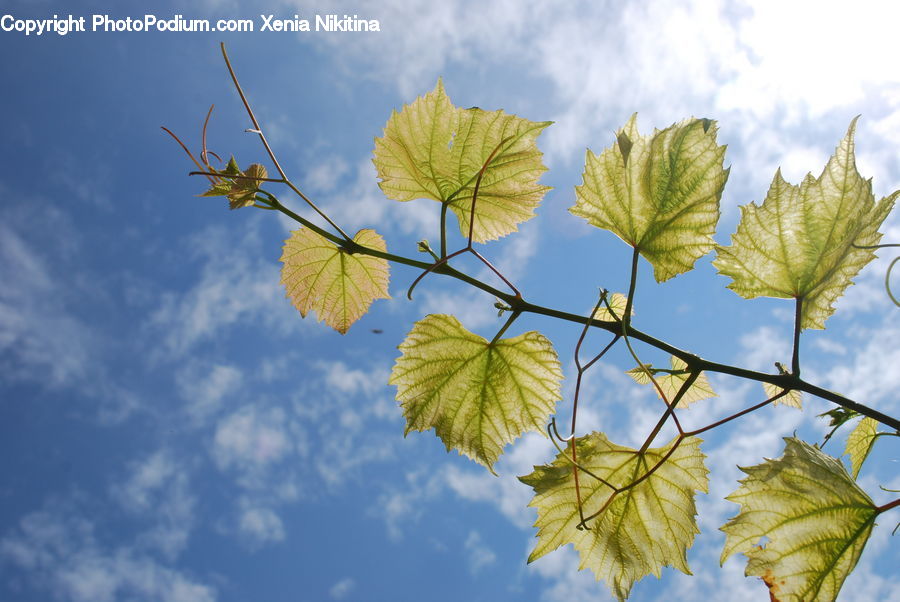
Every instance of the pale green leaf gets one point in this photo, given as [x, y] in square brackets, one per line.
[671, 381]
[339, 286]
[815, 517]
[477, 395]
[241, 191]
[860, 442]
[799, 244]
[616, 311]
[659, 193]
[434, 150]
[792, 398]
[644, 528]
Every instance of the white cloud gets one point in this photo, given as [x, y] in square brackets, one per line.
[870, 376]
[204, 387]
[475, 308]
[409, 56]
[158, 490]
[567, 583]
[342, 588]
[868, 293]
[479, 555]
[43, 338]
[235, 286]
[761, 348]
[325, 175]
[506, 493]
[359, 203]
[358, 408]
[811, 56]
[340, 378]
[260, 524]
[251, 439]
[402, 508]
[59, 553]
[36, 332]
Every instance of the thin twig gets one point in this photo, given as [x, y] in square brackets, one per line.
[694, 362]
[795, 358]
[262, 137]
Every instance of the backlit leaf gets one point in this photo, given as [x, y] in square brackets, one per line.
[616, 311]
[860, 442]
[478, 396]
[241, 191]
[800, 242]
[792, 398]
[814, 516]
[671, 381]
[642, 529]
[434, 150]
[659, 193]
[339, 286]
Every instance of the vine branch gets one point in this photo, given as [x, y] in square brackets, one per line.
[517, 302]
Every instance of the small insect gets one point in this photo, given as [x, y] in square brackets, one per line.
[377, 331]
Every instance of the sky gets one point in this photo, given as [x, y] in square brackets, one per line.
[173, 430]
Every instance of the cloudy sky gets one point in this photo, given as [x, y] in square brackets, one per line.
[172, 429]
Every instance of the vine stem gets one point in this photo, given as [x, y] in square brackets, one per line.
[516, 302]
[887, 281]
[633, 483]
[626, 323]
[581, 369]
[675, 444]
[888, 506]
[444, 206]
[694, 362]
[887, 275]
[503, 329]
[670, 411]
[632, 285]
[753, 408]
[262, 137]
[444, 259]
[795, 358]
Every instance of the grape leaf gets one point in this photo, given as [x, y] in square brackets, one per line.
[241, 192]
[671, 382]
[816, 519]
[642, 529]
[659, 193]
[434, 150]
[793, 398]
[800, 242]
[860, 442]
[477, 395]
[337, 285]
[617, 304]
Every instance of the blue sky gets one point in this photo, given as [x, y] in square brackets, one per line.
[172, 429]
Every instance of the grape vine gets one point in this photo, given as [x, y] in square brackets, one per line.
[629, 512]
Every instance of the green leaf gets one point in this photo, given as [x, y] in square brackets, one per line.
[231, 168]
[659, 193]
[839, 415]
[816, 519]
[860, 442]
[339, 286]
[241, 191]
[218, 189]
[477, 395]
[434, 150]
[799, 244]
[617, 303]
[671, 381]
[793, 398]
[642, 529]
